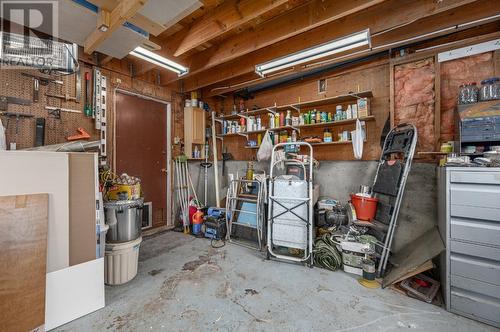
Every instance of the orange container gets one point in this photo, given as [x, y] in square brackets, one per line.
[366, 207]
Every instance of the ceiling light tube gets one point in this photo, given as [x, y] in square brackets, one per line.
[158, 60]
[355, 40]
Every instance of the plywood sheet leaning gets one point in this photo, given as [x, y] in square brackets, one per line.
[23, 239]
[414, 98]
[32, 172]
[82, 205]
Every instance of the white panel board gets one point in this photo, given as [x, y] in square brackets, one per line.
[77, 22]
[121, 42]
[169, 12]
[33, 172]
[469, 50]
[74, 292]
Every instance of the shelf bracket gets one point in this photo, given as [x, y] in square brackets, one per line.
[219, 120]
[355, 95]
[244, 135]
[295, 108]
[242, 116]
[272, 109]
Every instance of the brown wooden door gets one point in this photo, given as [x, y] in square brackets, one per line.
[141, 148]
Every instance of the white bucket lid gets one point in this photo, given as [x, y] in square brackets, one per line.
[123, 245]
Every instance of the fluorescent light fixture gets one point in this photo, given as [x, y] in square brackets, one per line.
[158, 60]
[335, 46]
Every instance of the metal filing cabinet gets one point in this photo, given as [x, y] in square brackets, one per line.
[469, 224]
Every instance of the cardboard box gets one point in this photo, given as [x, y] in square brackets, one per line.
[131, 192]
[363, 107]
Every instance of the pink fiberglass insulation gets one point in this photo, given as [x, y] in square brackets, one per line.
[414, 98]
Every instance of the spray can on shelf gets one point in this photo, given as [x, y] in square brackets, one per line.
[271, 120]
[282, 119]
[259, 123]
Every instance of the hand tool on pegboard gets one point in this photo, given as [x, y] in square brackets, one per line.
[6, 100]
[4, 105]
[88, 105]
[65, 97]
[43, 80]
[78, 86]
[82, 134]
[53, 108]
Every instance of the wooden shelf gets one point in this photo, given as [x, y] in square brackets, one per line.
[337, 123]
[332, 143]
[313, 103]
[329, 100]
[319, 143]
[324, 124]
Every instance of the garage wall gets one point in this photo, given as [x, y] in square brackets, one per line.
[13, 84]
[373, 76]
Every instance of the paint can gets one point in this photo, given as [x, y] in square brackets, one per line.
[368, 269]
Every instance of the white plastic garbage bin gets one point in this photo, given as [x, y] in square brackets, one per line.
[120, 261]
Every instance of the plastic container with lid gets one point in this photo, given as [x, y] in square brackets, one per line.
[490, 89]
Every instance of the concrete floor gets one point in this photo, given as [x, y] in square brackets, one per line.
[185, 285]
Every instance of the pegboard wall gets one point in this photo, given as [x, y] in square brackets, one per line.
[14, 84]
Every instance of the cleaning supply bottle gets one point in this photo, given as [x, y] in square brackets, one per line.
[276, 120]
[288, 119]
[282, 119]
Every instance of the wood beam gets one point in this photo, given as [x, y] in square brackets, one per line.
[446, 41]
[395, 13]
[226, 17]
[294, 22]
[122, 12]
[138, 19]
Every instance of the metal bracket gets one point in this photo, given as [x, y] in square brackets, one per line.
[295, 108]
[243, 134]
[355, 95]
[272, 109]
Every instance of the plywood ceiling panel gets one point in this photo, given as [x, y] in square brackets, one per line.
[169, 12]
[77, 22]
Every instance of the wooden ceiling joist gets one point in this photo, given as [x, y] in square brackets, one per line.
[138, 19]
[119, 15]
[297, 21]
[386, 16]
[226, 17]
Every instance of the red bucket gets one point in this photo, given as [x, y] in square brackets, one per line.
[366, 207]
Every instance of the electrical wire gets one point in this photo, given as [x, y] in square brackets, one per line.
[326, 254]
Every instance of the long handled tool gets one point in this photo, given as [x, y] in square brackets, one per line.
[216, 166]
[206, 165]
[182, 190]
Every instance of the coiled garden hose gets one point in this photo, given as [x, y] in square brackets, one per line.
[326, 254]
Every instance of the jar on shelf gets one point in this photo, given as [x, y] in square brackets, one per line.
[468, 93]
[490, 89]
[327, 136]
